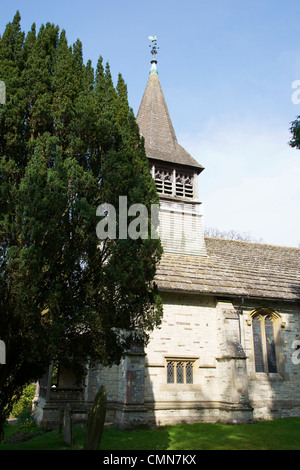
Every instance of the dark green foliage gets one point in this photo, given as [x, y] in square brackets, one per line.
[23, 407]
[295, 131]
[68, 143]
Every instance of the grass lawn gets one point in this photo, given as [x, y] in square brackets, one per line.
[280, 434]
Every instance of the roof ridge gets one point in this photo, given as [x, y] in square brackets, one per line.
[254, 243]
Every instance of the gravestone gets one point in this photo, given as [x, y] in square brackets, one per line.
[2, 92]
[2, 352]
[96, 421]
[61, 421]
[68, 426]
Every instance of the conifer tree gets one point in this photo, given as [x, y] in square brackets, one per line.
[295, 132]
[68, 143]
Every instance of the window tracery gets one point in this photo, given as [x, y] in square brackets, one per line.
[264, 341]
[173, 182]
[184, 185]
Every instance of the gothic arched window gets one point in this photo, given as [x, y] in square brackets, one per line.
[264, 341]
[171, 182]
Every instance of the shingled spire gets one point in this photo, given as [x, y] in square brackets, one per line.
[155, 123]
[174, 170]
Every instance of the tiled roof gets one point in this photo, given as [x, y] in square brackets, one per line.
[156, 127]
[234, 268]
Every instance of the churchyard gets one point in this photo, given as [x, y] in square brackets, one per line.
[280, 434]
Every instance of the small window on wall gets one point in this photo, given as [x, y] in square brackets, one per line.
[264, 341]
[180, 372]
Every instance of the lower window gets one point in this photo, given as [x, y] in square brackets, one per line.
[264, 342]
[180, 372]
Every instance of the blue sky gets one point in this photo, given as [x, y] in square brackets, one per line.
[226, 68]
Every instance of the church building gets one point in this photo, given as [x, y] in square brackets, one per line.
[226, 350]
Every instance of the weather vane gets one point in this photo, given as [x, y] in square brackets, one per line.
[154, 49]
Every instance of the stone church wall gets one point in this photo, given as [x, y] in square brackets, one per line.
[188, 332]
[275, 395]
[215, 336]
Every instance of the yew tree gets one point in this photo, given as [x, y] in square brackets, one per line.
[295, 133]
[69, 142]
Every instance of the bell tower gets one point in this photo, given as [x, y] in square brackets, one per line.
[174, 170]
